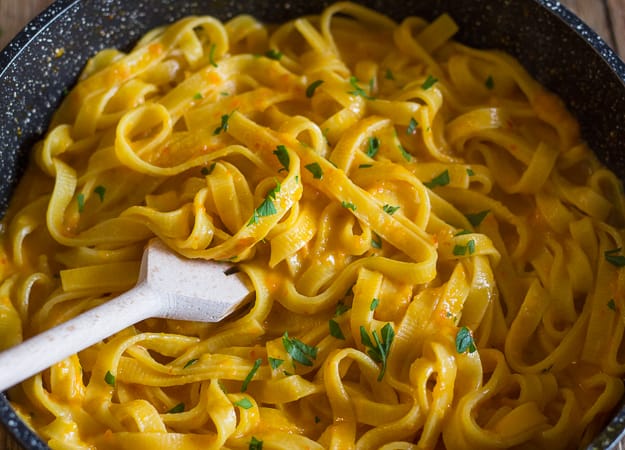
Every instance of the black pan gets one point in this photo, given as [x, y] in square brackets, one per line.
[551, 42]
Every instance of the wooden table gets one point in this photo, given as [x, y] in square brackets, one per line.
[606, 17]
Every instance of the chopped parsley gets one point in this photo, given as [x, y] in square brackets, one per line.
[348, 205]
[208, 170]
[299, 352]
[464, 341]
[198, 96]
[109, 378]
[407, 156]
[250, 375]
[80, 199]
[612, 304]
[470, 172]
[390, 209]
[255, 444]
[373, 146]
[357, 89]
[378, 348]
[489, 83]
[273, 54]
[100, 190]
[412, 126]
[389, 74]
[365, 166]
[283, 156]
[335, 329]
[376, 241]
[429, 82]
[441, 179]
[244, 403]
[614, 259]
[177, 409]
[266, 208]
[224, 124]
[315, 169]
[211, 56]
[312, 87]
[341, 308]
[374, 304]
[477, 218]
[461, 250]
[190, 362]
[274, 363]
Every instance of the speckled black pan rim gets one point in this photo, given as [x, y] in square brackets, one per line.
[607, 439]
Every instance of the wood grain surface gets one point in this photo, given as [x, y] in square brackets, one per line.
[606, 17]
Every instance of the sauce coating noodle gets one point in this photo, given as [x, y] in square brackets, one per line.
[435, 251]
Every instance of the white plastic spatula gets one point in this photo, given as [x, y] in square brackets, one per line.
[169, 286]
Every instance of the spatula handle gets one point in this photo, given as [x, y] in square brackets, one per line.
[43, 350]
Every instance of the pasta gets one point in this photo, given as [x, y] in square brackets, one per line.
[436, 253]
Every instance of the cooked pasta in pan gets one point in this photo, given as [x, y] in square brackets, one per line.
[436, 253]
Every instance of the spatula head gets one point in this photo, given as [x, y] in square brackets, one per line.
[192, 289]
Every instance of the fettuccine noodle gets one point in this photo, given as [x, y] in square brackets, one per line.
[436, 254]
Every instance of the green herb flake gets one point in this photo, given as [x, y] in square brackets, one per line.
[376, 241]
[464, 341]
[407, 156]
[462, 232]
[317, 419]
[267, 207]
[211, 56]
[273, 54]
[412, 126]
[283, 156]
[477, 218]
[299, 352]
[429, 82]
[357, 89]
[100, 190]
[348, 205]
[190, 363]
[198, 96]
[224, 124]
[80, 199]
[441, 179]
[365, 166]
[312, 87]
[274, 363]
[208, 170]
[335, 329]
[378, 348]
[614, 259]
[244, 403]
[470, 172]
[373, 146]
[250, 375]
[315, 169]
[390, 209]
[461, 250]
[109, 378]
[341, 308]
[388, 74]
[612, 304]
[255, 444]
[489, 83]
[177, 409]
[374, 304]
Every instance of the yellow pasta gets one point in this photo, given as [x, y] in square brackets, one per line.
[436, 253]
